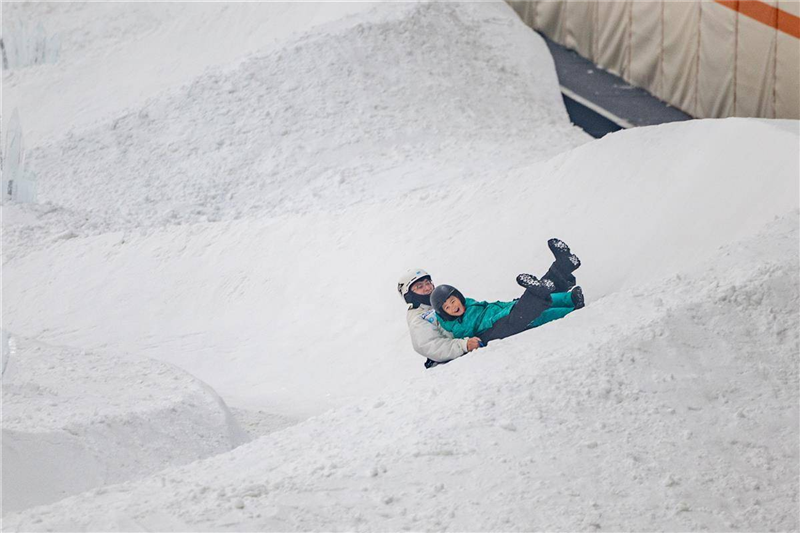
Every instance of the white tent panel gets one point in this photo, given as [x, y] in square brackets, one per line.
[529, 13]
[550, 19]
[580, 24]
[612, 46]
[755, 67]
[717, 60]
[646, 41]
[706, 58]
[787, 67]
[681, 26]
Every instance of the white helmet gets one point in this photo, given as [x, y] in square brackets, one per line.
[408, 279]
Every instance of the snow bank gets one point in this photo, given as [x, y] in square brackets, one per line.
[114, 56]
[75, 420]
[671, 405]
[646, 203]
[272, 315]
[319, 123]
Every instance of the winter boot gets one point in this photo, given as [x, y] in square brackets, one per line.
[568, 262]
[540, 287]
[577, 298]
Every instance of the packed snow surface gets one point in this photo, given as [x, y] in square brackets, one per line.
[74, 420]
[247, 223]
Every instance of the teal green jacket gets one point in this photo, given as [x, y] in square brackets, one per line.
[477, 318]
[480, 316]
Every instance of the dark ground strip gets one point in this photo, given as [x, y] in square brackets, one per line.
[610, 92]
[590, 121]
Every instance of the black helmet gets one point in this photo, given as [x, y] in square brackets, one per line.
[440, 295]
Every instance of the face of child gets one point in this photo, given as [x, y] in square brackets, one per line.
[422, 287]
[453, 307]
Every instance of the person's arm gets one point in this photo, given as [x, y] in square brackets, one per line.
[433, 342]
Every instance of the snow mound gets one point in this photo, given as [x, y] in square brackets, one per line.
[75, 420]
[644, 203]
[320, 123]
[117, 55]
[662, 404]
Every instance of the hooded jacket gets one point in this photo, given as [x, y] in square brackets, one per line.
[429, 339]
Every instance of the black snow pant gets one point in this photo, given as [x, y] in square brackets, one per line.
[527, 309]
[529, 306]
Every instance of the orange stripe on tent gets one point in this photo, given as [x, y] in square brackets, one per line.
[766, 14]
[788, 23]
[733, 4]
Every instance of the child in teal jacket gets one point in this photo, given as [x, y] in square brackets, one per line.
[539, 304]
[465, 317]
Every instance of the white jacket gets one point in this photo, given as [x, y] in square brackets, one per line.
[431, 340]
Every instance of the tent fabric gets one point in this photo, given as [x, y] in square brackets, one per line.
[550, 19]
[709, 58]
[787, 73]
[716, 61]
[612, 44]
[755, 67]
[679, 54]
[646, 41]
[579, 27]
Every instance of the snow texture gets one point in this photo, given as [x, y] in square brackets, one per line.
[74, 420]
[245, 217]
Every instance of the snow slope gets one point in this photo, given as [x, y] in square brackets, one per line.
[303, 112]
[671, 395]
[74, 420]
[671, 405]
[319, 126]
[272, 325]
[266, 267]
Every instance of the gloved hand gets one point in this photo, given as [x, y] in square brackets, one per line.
[473, 343]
